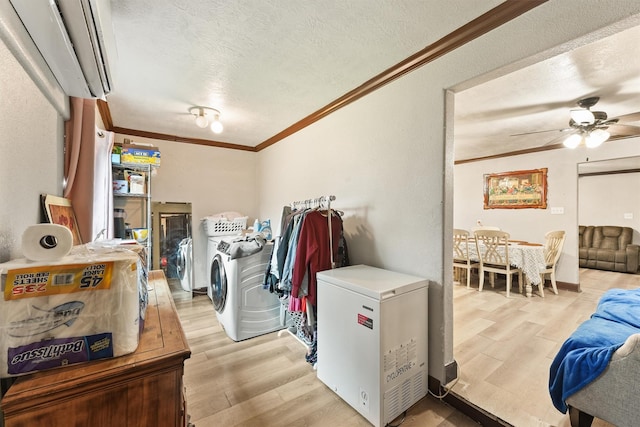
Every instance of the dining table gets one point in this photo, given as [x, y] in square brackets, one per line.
[529, 257]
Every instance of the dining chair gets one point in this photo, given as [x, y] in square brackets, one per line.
[493, 251]
[461, 259]
[553, 242]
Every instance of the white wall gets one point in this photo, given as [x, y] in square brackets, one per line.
[31, 159]
[605, 199]
[384, 157]
[212, 179]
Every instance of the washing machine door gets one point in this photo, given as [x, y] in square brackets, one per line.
[218, 283]
[181, 262]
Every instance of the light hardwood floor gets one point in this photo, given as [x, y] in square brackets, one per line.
[265, 381]
[504, 347]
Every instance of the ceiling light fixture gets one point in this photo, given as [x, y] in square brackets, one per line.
[572, 141]
[202, 121]
[592, 139]
[596, 137]
[216, 125]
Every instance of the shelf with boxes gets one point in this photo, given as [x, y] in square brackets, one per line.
[132, 164]
[132, 204]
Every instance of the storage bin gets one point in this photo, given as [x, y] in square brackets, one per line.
[225, 227]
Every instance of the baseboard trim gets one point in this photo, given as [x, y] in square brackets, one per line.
[474, 412]
[574, 287]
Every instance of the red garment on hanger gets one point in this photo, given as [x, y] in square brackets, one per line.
[312, 253]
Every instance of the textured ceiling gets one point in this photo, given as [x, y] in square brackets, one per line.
[539, 97]
[267, 64]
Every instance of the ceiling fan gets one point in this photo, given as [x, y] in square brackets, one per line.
[593, 127]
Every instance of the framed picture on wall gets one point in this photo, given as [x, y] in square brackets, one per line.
[58, 210]
[526, 189]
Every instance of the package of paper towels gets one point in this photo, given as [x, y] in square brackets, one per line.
[82, 307]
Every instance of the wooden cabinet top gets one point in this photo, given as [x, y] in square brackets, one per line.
[162, 346]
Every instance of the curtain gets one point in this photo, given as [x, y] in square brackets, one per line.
[103, 185]
[87, 170]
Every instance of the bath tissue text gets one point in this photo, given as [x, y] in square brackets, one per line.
[49, 352]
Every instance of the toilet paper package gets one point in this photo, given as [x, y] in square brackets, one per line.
[85, 306]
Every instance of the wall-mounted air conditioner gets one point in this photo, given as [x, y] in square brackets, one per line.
[75, 38]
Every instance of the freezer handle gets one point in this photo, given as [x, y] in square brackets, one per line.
[388, 294]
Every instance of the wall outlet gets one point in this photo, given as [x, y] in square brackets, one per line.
[364, 401]
[557, 210]
[628, 215]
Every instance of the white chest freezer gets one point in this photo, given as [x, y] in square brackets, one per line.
[372, 339]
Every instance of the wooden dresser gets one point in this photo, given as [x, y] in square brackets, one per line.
[142, 389]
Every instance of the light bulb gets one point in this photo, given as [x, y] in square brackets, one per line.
[596, 138]
[201, 121]
[572, 141]
[216, 126]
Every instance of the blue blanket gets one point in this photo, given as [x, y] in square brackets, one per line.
[587, 352]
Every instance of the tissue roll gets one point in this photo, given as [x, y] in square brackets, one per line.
[41, 332]
[46, 242]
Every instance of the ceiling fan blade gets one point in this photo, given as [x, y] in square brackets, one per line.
[631, 117]
[624, 130]
[539, 131]
[560, 138]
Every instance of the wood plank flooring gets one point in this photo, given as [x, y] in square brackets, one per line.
[265, 381]
[503, 347]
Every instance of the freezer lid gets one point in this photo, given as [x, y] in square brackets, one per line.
[373, 282]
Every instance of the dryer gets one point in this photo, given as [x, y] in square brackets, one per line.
[243, 308]
[184, 264]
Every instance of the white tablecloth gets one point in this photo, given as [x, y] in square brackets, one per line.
[528, 258]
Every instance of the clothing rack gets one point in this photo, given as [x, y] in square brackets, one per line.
[319, 202]
[313, 203]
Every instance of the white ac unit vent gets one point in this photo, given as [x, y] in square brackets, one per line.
[75, 38]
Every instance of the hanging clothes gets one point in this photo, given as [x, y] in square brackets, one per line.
[301, 251]
[313, 252]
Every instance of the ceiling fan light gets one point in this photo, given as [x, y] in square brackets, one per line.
[582, 116]
[201, 121]
[596, 138]
[216, 126]
[572, 141]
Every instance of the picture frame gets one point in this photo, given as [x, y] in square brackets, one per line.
[524, 189]
[59, 210]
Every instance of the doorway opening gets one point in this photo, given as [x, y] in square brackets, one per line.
[171, 237]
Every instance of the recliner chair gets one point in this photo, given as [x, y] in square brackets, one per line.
[608, 248]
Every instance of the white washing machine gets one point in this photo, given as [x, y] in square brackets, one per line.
[184, 264]
[212, 250]
[243, 308]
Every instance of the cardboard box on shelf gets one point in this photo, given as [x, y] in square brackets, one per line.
[140, 154]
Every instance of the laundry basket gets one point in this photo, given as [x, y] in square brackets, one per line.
[216, 226]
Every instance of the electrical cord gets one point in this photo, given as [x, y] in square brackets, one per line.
[448, 389]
